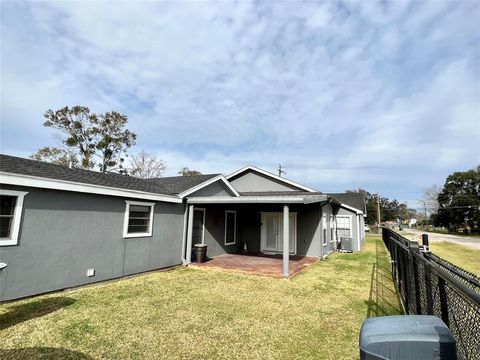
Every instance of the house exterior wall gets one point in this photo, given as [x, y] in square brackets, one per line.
[355, 226]
[328, 246]
[362, 230]
[308, 231]
[215, 189]
[215, 232]
[249, 228]
[253, 181]
[63, 234]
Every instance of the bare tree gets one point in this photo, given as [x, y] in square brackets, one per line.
[146, 166]
[429, 202]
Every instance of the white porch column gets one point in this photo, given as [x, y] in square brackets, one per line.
[286, 240]
[188, 255]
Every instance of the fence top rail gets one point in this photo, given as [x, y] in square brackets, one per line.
[459, 285]
[463, 280]
[456, 270]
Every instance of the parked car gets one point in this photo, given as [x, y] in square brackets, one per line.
[367, 228]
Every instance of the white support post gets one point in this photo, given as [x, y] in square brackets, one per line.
[188, 254]
[286, 240]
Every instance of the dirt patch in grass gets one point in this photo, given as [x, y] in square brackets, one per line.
[186, 313]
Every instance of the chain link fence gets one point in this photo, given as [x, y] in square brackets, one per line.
[430, 285]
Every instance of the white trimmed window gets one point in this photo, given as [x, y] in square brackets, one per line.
[138, 219]
[332, 228]
[344, 226]
[230, 227]
[324, 229]
[11, 204]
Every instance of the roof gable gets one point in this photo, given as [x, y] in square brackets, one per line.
[351, 199]
[253, 179]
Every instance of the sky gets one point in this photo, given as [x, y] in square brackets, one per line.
[383, 96]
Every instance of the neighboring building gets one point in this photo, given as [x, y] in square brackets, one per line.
[64, 227]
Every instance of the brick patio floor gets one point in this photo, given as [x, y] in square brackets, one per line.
[259, 264]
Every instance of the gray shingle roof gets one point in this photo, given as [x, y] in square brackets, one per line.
[353, 199]
[178, 184]
[167, 186]
[279, 193]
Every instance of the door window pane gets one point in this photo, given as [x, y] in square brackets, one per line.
[198, 224]
[271, 236]
[230, 227]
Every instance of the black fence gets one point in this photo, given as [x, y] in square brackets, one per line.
[430, 285]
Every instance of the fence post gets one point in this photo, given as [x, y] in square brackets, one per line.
[414, 252]
[425, 242]
[443, 300]
[404, 277]
[428, 286]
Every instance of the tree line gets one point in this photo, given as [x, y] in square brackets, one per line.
[92, 141]
[456, 205]
[390, 210]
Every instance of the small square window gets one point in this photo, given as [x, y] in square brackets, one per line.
[138, 219]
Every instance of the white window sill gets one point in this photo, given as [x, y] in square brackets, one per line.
[324, 244]
[137, 235]
[230, 243]
[8, 242]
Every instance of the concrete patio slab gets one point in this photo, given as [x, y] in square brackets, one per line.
[258, 264]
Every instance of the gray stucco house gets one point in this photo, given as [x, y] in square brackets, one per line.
[64, 227]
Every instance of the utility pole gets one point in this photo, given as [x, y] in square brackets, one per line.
[280, 171]
[378, 212]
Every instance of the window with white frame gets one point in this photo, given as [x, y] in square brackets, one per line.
[230, 227]
[138, 219]
[332, 228]
[324, 229]
[11, 204]
[344, 226]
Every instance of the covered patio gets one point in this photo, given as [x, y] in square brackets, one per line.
[259, 264]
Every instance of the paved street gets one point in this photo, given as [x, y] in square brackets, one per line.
[461, 240]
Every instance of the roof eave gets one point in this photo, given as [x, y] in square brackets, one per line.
[64, 185]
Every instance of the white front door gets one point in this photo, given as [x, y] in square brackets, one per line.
[272, 232]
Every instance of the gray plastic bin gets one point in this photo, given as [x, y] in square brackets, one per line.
[412, 337]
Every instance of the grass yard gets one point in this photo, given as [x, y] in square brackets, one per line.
[460, 255]
[207, 314]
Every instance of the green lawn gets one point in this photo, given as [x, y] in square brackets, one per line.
[186, 313]
[460, 255]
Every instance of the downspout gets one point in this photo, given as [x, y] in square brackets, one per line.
[358, 232]
[184, 236]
